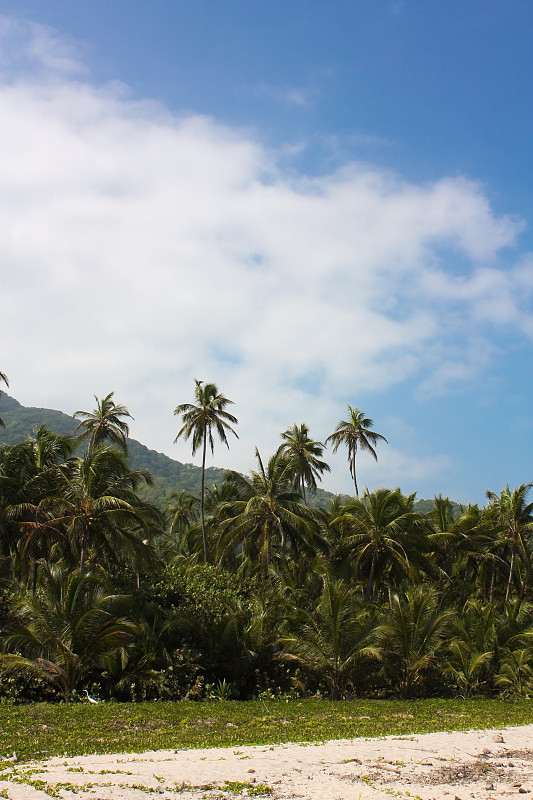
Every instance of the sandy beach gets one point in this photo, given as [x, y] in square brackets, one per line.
[474, 764]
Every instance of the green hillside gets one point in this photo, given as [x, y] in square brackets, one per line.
[169, 475]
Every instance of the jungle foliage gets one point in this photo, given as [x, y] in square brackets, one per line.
[256, 592]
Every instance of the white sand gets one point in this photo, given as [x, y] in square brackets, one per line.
[478, 764]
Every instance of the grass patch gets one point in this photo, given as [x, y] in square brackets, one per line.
[42, 730]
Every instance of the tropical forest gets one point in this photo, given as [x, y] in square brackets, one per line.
[251, 586]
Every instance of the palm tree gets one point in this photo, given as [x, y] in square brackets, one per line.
[200, 420]
[30, 472]
[3, 378]
[268, 517]
[67, 630]
[461, 546]
[355, 433]
[182, 511]
[98, 511]
[472, 646]
[305, 455]
[514, 634]
[383, 533]
[333, 639]
[516, 671]
[515, 518]
[105, 423]
[412, 633]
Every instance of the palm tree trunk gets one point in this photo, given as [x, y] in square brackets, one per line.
[508, 592]
[355, 478]
[464, 583]
[370, 586]
[204, 538]
[335, 682]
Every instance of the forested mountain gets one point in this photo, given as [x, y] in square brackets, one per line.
[169, 475]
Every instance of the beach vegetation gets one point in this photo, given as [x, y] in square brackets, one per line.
[42, 730]
[247, 590]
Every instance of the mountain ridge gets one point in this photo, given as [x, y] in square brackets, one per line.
[169, 475]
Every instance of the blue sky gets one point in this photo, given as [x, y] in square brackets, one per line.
[309, 204]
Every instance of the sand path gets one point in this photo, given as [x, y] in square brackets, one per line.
[443, 766]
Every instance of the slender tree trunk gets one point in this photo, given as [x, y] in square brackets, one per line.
[508, 592]
[355, 477]
[492, 582]
[370, 587]
[464, 583]
[335, 684]
[204, 538]
[34, 578]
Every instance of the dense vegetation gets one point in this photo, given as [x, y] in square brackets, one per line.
[263, 594]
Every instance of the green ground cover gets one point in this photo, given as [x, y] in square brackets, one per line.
[42, 730]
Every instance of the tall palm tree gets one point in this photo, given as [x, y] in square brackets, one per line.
[104, 424]
[3, 378]
[200, 420]
[355, 433]
[514, 516]
[305, 454]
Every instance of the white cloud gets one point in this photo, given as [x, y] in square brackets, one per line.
[295, 96]
[27, 46]
[142, 250]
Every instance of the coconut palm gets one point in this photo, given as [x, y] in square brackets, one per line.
[200, 420]
[338, 553]
[472, 646]
[383, 534]
[514, 516]
[30, 472]
[465, 667]
[104, 424]
[516, 671]
[463, 546]
[356, 435]
[305, 454]
[334, 639]
[182, 517]
[69, 629]
[182, 510]
[97, 509]
[411, 635]
[269, 518]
